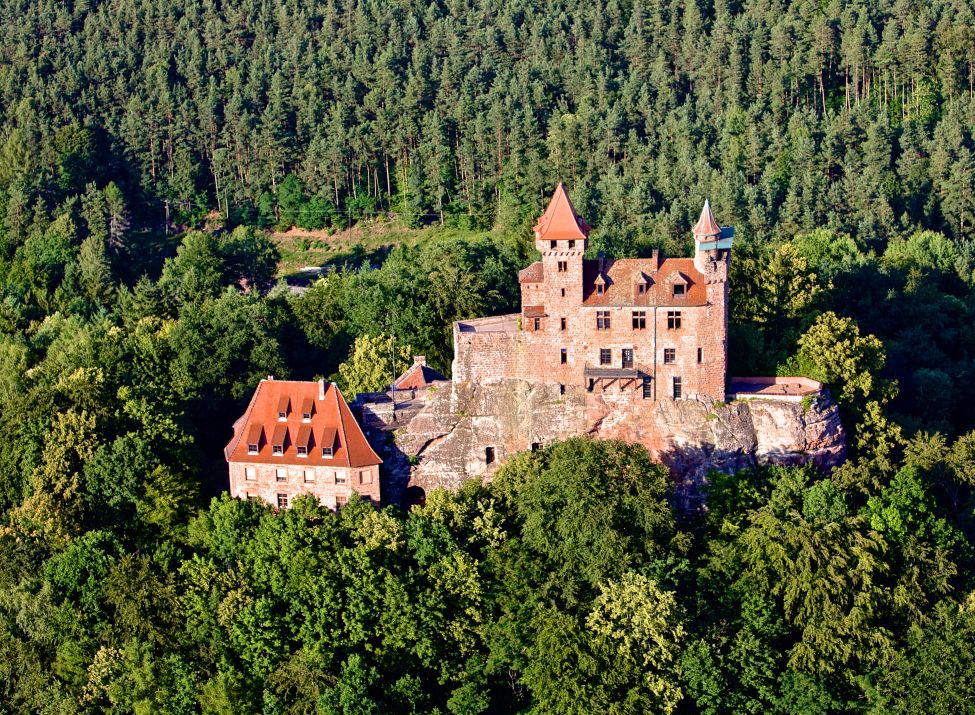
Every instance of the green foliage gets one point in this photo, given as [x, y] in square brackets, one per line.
[373, 364]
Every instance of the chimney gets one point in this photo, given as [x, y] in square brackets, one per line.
[655, 259]
[602, 261]
[270, 377]
[420, 360]
[321, 389]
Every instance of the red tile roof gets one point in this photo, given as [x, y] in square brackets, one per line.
[706, 225]
[332, 424]
[535, 273]
[419, 375]
[534, 311]
[560, 220]
[623, 275]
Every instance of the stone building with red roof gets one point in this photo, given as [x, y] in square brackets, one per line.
[654, 328]
[300, 438]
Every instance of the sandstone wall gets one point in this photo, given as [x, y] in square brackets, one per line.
[445, 442]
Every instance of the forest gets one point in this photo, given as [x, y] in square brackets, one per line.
[149, 149]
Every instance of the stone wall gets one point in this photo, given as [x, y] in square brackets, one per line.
[330, 485]
[445, 442]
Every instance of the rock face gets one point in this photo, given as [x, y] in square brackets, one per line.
[458, 431]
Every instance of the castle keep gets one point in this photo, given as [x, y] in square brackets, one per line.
[655, 327]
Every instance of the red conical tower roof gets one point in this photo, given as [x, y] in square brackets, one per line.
[706, 225]
[560, 220]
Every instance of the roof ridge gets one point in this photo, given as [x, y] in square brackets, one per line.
[338, 413]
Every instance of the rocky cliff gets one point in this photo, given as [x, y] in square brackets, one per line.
[451, 432]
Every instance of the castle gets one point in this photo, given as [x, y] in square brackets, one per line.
[628, 349]
[654, 327]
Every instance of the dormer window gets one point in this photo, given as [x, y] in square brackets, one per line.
[600, 289]
[279, 440]
[254, 437]
[641, 288]
[328, 442]
[679, 289]
[307, 409]
[284, 407]
[303, 440]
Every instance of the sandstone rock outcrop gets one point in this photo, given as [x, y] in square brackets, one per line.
[451, 432]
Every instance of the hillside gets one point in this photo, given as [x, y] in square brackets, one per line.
[155, 156]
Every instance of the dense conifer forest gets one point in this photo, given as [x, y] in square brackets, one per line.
[149, 147]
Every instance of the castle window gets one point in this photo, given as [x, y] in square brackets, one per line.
[563, 292]
[340, 478]
[646, 388]
[677, 388]
[282, 501]
[572, 244]
[700, 354]
[536, 446]
[602, 320]
[639, 319]
[673, 319]
[489, 455]
[537, 323]
[600, 289]
[679, 289]
[563, 266]
[281, 474]
[250, 473]
[553, 245]
[563, 356]
[605, 356]
[564, 323]
[670, 356]
[641, 288]
[561, 388]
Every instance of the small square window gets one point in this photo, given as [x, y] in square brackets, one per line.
[563, 266]
[563, 356]
[327, 452]
[679, 288]
[281, 475]
[252, 449]
[536, 446]
[365, 476]
[282, 501]
[277, 449]
[489, 455]
[572, 244]
[670, 356]
[306, 416]
[341, 478]
[605, 356]
[302, 450]
[553, 245]
[250, 473]
[309, 475]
